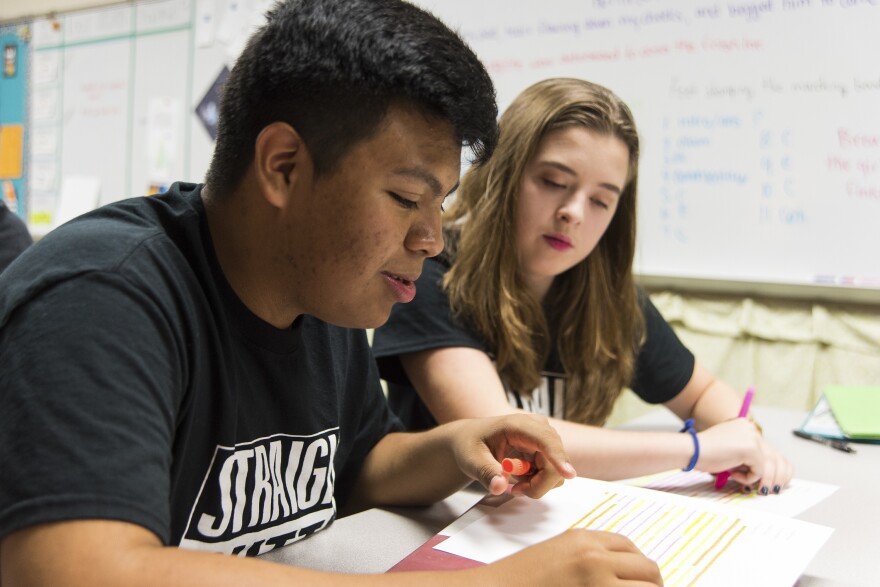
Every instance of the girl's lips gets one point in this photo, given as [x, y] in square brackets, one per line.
[404, 289]
[558, 242]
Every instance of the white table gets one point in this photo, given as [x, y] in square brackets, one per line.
[374, 540]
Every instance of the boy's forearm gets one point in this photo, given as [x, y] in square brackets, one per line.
[406, 469]
[97, 553]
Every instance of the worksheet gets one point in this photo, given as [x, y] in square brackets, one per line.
[797, 497]
[694, 541]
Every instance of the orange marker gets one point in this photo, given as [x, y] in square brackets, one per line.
[517, 467]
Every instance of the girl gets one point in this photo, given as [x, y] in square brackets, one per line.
[533, 306]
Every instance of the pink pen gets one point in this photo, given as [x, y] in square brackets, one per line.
[723, 476]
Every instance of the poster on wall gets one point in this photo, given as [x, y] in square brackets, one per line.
[12, 117]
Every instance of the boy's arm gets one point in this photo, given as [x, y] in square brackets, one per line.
[403, 468]
[425, 467]
[99, 553]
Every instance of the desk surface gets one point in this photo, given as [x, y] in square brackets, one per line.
[377, 539]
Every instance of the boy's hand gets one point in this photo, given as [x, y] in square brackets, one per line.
[482, 443]
[580, 557]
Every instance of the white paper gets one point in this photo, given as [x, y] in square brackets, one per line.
[238, 19]
[797, 497]
[44, 105]
[79, 194]
[692, 541]
[163, 120]
[43, 176]
[206, 23]
[45, 67]
[44, 141]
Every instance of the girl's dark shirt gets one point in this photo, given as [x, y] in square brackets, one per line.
[663, 367]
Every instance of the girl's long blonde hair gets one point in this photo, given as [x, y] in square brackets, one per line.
[592, 310]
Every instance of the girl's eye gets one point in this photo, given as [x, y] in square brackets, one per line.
[408, 204]
[552, 184]
[600, 203]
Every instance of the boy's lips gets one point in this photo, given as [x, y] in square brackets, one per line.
[403, 286]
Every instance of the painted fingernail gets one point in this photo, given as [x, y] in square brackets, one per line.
[747, 488]
[776, 489]
[764, 491]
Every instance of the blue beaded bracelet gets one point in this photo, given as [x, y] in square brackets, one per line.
[689, 427]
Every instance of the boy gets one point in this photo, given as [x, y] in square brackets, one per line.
[178, 370]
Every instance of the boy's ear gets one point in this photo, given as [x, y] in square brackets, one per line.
[281, 159]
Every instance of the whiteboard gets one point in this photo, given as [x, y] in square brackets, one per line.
[760, 120]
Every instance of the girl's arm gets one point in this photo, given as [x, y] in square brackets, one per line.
[458, 382]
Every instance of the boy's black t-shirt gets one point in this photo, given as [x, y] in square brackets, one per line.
[663, 367]
[14, 236]
[136, 386]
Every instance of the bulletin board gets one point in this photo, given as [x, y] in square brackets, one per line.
[13, 97]
[123, 98]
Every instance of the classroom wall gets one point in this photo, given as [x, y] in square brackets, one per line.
[789, 347]
[12, 10]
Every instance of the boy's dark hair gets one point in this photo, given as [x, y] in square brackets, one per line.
[332, 68]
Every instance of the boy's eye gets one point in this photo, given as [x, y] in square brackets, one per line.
[408, 204]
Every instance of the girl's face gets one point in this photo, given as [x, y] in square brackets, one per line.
[568, 195]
